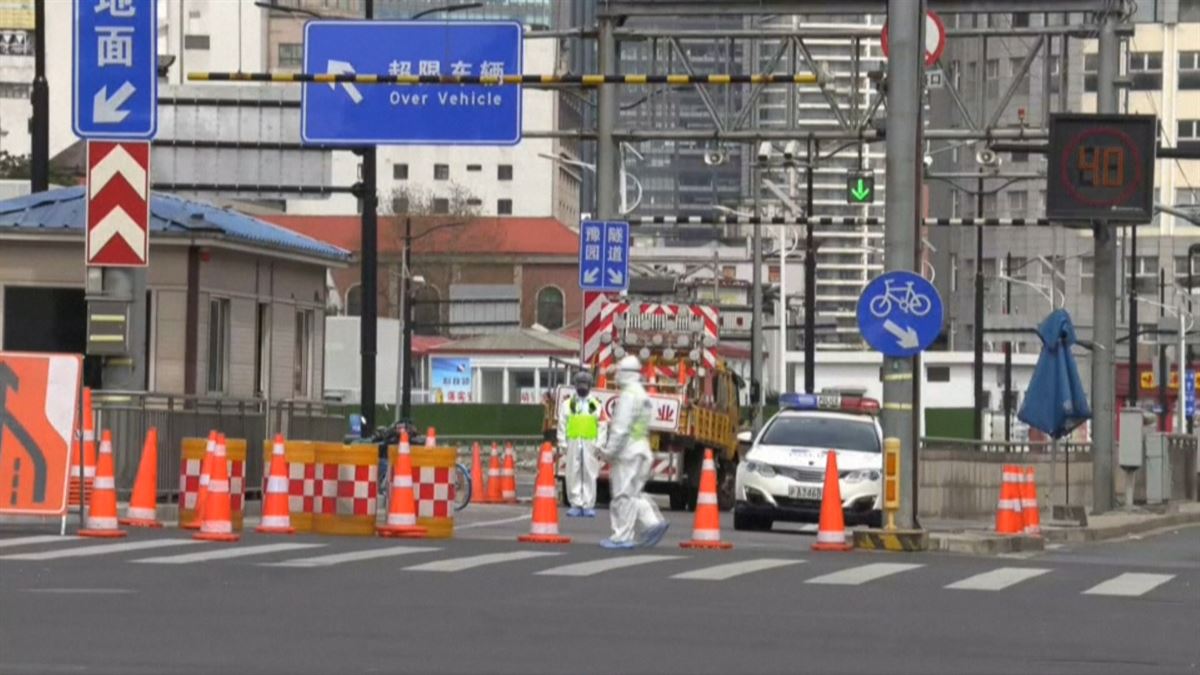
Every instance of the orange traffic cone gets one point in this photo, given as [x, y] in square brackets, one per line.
[79, 490]
[402, 505]
[202, 492]
[831, 532]
[216, 525]
[431, 438]
[706, 533]
[1029, 506]
[1008, 509]
[276, 516]
[494, 490]
[143, 505]
[102, 511]
[508, 476]
[476, 473]
[544, 529]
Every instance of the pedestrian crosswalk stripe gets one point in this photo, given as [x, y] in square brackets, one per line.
[862, 574]
[100, 549]
[470, 562]
[39, 539]
[587, 569]
[1130, 584]
[998, 579]
[353, 556]
[225, 553]
[731, 570]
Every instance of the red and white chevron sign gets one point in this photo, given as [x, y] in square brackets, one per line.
[118, 204]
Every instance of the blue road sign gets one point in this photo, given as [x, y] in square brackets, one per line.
[899, 314]
[603, 255]
[350, 114]
[1189, 390]
[114, 91]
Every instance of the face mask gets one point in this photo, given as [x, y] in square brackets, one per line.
[582, 391]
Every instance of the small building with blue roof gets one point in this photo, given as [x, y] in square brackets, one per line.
[235, 305]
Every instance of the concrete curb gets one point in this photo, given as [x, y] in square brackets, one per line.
[979, 543]
[1103, 533]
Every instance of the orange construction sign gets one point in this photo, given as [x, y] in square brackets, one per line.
[39, 397]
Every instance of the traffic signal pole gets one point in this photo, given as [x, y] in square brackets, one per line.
[905, 80]
[369, 320]
[1104, 302]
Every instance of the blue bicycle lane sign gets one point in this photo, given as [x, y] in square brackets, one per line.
[899, 314]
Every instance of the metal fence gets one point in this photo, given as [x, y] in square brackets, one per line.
[129, 415]
[1018, 447]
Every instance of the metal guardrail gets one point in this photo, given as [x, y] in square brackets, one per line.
[1000, 447]
[129, 415]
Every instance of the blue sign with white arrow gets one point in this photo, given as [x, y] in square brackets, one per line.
[114, 89]
[603, 255]
[1189, 391]
[900, 314]
[349, 114]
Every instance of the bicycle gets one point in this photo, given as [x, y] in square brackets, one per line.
[388, 436]
[908, 300]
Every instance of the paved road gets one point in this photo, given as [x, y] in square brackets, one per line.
[482, 603]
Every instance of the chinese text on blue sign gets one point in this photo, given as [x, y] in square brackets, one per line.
[899, 314]
[115, 75]
[348, 114]
[603, 255]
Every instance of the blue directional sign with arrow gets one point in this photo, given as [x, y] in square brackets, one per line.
[349, 114]
[603, 255]
[1189, 390]
[115, 72]
[900, 314]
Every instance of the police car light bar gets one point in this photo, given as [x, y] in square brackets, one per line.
[830, 402]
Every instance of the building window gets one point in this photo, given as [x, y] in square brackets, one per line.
[302, 362]
[441, 172]
[1188, 131]
[1091, 66]
[504, 207]
[993, 68]
[504, 172]
[199, 42]
[262, 350]
[218, 345]
[1189, 10]
[426, 311]
[1015, 64]
[15, 90]
[1015, 267]
[1145, 68]
[1087, 272]
[1019, 156]
[291, 55]
[1020, 19]
[354, 301]
[1189, 70]
[474, 201]
[399, 204]
[937, 373]
[1018, 203]
[400, 171]
[550, 308]
[441, 205]
[1187, 196]
[474, 168]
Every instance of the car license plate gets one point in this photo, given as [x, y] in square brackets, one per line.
[804, 491]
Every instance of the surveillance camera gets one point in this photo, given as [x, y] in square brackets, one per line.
[928, 161]
[987, 157]
[714, 157]
[791, 150]
[764, 151]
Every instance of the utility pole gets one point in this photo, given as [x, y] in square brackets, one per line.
[977, 337]
[39, 124]
[369, 320]
[904, 82]
[1008, 270]
[406, 327]
[1105, 298]
[1132, 371]
[1163, 375]
[810, 277]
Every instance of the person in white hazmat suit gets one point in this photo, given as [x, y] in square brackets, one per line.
[636, 520]
[580, 435]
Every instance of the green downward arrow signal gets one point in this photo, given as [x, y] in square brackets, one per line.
[860, 191]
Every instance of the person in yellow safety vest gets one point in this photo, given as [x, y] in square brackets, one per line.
[629, 464]
[580, 434]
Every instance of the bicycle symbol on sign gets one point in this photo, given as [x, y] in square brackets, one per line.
[904, 297]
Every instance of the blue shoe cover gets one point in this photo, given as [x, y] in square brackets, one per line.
[574, 512]
[589, 513]
[655, 535]
[617, 545]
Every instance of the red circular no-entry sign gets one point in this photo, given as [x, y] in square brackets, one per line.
[935, 38]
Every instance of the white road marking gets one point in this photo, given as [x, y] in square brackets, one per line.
[591, 567]
[1130, 584]
[353, 556]
[855, 576]
[101, 549]
[39, 539]
[225, 553]
[731, 570]
[998, 579]
[489, 523]
[470, 562]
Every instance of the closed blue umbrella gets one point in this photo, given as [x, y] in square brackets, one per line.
[1055, 402]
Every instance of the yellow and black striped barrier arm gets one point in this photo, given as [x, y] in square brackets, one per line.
[580, 80]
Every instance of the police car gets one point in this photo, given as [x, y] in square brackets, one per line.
[781, 477]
